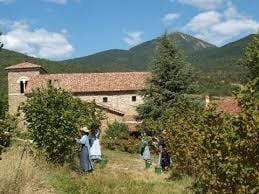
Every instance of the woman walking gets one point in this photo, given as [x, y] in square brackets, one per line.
[85, 161]
[95, 150]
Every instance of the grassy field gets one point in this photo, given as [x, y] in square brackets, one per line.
[123, 173]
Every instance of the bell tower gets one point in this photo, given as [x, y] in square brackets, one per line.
[18, 78]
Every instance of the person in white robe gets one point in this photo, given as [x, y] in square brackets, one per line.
[95, 150]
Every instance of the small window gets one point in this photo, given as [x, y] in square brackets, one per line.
[105, 99]
[134, 98]
[22, 87]
[56, 83]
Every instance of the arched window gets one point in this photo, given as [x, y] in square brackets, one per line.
[22, 81]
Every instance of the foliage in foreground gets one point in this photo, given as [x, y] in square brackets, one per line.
[3, 106]
[54, 117]
[251, 58]
[220, 150]
[117, 137]
[8, 126]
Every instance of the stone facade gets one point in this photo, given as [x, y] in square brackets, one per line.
[117, 94]
[121, 101]
[15, 97]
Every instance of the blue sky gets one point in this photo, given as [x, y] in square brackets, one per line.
[60, 29]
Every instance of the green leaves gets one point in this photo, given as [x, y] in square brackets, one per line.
[251, 58]
[171, 77]
[221, 151]
[54, 117]
[8, 125]
[117, 137]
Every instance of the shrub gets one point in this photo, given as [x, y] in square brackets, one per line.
[117, 130]
[117, 137]
[3, 106]
[220, 150]
[8, 125]
[179, 128]
[53, 118]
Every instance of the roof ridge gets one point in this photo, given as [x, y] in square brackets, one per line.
[97, 73]
[24, 65]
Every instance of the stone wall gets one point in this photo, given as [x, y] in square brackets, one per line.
[15, 98]
[118, 101]
[110, 118]
[121, 101]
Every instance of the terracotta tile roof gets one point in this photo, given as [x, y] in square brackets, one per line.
[228, 105]
[25, 65]
[92, 82]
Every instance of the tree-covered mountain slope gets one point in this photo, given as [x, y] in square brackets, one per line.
[137, 58]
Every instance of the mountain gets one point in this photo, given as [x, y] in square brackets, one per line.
[215, 68]
[137, 58]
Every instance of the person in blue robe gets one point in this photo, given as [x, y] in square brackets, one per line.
[85, 161]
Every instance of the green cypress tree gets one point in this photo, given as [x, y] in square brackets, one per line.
[171, 77]
[251, 58]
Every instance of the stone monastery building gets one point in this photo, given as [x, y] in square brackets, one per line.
[115, 93]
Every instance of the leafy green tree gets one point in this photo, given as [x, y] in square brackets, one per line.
[54, 117]
[3, 106]
[251, 58]
[170, 79]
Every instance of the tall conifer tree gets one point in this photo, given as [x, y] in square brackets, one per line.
[171, 77]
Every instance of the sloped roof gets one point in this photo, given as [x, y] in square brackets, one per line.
[110, 109]
[228, 105]
[25, 65]
[92, 82]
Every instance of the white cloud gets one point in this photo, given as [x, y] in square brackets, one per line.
[60, 2]
[6, 1]
[204, 20]
[220, 28]
[37, 42]
[168, 18]
[204, 4]
[133, 38]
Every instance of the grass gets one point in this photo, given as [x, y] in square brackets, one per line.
[123, 173]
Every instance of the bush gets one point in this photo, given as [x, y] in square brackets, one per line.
[53, 117]
[179, 128]
[3, 106]
[117, 137]
[117, 130]
[8, 125]
[221, 151]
